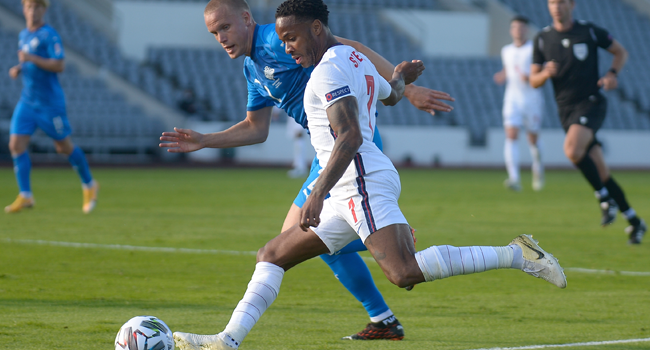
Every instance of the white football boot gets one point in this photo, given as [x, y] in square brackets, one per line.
[540, 263]
[189, 341]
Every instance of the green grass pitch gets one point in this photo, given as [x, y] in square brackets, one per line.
[54, 297]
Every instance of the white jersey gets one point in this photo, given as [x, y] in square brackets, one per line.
[517, 61]
[344, 72]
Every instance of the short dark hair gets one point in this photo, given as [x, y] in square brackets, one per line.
[520, 18]
[304, 10]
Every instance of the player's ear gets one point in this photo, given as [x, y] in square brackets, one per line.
[316, 27]
[246, 16]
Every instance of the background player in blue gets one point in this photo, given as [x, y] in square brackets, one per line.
[42, 105]
[275, 79]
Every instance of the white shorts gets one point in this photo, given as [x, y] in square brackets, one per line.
[518, 115]
[374, 206]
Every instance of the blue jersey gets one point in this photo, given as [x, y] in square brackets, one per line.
[41, 88]
[273, 77]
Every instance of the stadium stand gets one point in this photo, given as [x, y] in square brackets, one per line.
[216, 79]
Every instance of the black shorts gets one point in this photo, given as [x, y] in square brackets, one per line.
[589, 112]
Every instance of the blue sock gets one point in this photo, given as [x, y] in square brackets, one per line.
[78, 160]
[353, 273]
[23, 169]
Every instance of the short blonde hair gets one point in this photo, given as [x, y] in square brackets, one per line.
[45, 3]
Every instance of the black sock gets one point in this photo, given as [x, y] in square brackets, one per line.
[616, 192]
[590, 172]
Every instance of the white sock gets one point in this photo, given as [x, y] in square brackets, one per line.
[262, 291]
[439, 262]
[26, 195]
[511, 155]
[535, 154]
[384, 315]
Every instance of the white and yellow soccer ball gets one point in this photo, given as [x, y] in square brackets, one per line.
[144, 333]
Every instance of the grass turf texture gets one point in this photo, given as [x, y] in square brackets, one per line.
[77, 298]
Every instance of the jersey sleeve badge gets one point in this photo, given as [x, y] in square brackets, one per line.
[340, 92]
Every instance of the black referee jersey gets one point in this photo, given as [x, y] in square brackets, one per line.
[576, 52]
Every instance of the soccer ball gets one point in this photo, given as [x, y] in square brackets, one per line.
[144, 333]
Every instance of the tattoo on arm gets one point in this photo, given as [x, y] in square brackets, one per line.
[344, 121]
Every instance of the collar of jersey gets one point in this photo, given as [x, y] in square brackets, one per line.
[254, 43]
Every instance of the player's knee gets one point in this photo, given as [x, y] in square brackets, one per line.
[575, 155]
[266, 254]
[400, 278]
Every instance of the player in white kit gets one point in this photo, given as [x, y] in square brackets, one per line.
[364, 187]
[522, 105]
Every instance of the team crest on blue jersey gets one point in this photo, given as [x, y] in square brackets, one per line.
[268, 73]
[337, 93]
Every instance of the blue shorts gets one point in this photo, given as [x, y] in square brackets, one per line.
[27, 118]
[305, 191]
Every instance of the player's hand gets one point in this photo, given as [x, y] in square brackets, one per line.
[310, 212]
[181, 141]
[428, 100]
[551, 68]
[24, 56]
[410, 71]
[608, 82]
[499, 77]
[14, 71]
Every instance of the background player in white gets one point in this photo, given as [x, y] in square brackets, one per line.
[340, 102]
[522, 104]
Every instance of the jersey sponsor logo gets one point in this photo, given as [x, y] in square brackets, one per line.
[566, 43]
[268, 73]
[337, 93]
[581, 51]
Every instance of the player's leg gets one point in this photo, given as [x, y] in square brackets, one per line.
[23, 125]
[392, 248]
[22, 169]
[537, 167]
[388, 237]
[288, 249]
[637, 227]
[533, 126]
[577, 144]
[512, 121]
[350, 269]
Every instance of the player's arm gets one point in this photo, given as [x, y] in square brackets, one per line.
[254, 129]
[500, 77]
[48, 64]
[15, 71]
[422, 98]
[404, 74]
[540, 74]
[343, 116]
[610, 81]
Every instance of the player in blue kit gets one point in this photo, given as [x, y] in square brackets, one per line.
[42, 105]
[275, 79]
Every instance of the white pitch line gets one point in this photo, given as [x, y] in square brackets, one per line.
[607, 272]
[591, 343]
[239, 252]
[129, 247]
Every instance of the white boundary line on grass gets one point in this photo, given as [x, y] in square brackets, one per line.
[239, 252]
[129, 247]
[591, 343]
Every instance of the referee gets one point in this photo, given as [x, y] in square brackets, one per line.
[567, 53]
